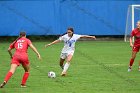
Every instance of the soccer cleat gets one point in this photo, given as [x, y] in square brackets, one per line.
[23, 86]
[63, 74]
[3, 84]
[129, 69]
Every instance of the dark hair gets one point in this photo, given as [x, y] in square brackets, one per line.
[22, 34]
[71, 29]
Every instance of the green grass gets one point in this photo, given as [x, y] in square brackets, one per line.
[97, 67]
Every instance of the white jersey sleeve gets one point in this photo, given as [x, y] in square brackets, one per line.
[76, 36]
[61, 38]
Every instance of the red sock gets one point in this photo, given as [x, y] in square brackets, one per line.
[131, 62]
[8, 76]
[25, 77]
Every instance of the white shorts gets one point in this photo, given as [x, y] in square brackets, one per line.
[65, 55]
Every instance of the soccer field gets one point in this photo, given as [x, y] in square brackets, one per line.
[97, 67]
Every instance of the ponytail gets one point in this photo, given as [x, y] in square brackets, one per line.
[64, 33]
[16, 40]
[21, 35]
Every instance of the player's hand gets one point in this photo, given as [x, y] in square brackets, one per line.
[131, 45]
[47, 45]
[39, 57]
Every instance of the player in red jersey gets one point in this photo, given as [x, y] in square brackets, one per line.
[20, 56]
[136, 46]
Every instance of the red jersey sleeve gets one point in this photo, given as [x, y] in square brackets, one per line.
[29, 42]
[12, 45]
[132, 33]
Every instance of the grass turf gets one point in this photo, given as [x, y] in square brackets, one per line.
[97, 67]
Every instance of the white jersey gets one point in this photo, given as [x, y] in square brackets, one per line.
[69, 42]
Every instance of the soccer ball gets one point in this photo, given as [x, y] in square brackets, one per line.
[51, 74]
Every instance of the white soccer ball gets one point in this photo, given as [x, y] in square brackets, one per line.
[51, 74]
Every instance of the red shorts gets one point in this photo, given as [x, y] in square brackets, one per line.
[20, 59]
[136, 48]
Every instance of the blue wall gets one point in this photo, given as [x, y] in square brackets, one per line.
[52, 17]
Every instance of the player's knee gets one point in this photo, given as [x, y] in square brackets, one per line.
[27, 70]
[68, 62]
[133, 57]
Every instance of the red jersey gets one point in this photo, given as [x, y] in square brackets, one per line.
[136, 34]
[20, 55]
[21, 45]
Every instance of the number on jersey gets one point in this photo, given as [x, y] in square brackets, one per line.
[20, 45]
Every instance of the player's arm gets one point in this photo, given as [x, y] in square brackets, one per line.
[86, 36]
[54, 42]
[131, 41]
[35, 50]
[9, 51]
[131, 38]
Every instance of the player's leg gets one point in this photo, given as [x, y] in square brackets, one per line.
[61, 63]
[132, 60]
[63, 56]
[66, 66]
[9, 74]
[26, 74]
[139, 60]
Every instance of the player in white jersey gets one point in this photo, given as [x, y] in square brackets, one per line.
[69, 47]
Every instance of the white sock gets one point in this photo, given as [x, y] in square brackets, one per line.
[66, 66]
